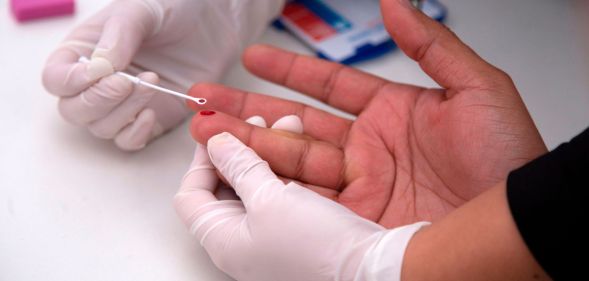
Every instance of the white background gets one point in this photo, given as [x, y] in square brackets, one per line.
[75, 208]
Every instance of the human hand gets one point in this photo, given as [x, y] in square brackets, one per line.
[279, 231]
[412, 153]
[182, 41]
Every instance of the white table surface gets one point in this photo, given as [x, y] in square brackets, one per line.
[75, 208]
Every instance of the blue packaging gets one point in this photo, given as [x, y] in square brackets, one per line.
[344, 31]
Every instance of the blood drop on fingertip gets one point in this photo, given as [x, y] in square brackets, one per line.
[207, 113]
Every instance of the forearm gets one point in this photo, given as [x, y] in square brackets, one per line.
[478, 241]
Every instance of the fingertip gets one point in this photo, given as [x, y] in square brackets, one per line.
[115, 86]
[202, 91]
[221, 139]
[146, 92]
[136, 136]
[54, 78]
[193, 128]
[253, 52]
[204, 125]
[240, 165]
[435, 47]
[149, 77]
[262, 57]
[219, 145]
[407, 25]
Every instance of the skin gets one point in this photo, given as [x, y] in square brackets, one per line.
[478, 241]
[413, 153]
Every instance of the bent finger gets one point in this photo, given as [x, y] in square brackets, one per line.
[97, 101]
[245, 171]
[136, 135]
[127, 112]
[290, 155]
[198, 185]
[195, 202]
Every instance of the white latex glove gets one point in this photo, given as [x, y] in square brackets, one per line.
[183, 41]
[280, 231]
[289, 123]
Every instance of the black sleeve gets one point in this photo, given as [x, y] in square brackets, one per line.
[548, 201]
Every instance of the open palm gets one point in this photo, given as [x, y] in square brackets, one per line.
[412, 153]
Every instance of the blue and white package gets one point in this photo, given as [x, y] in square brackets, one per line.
[344, 31]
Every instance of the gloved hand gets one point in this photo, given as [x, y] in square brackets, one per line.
[289, 123]
[184, 41]
[281, 231]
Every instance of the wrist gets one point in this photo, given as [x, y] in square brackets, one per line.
[380, 257]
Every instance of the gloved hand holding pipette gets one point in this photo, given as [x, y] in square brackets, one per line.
[167, 43]
[138, 81]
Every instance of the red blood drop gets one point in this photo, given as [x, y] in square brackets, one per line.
[207, 113]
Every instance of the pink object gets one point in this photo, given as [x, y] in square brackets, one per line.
[25, 10]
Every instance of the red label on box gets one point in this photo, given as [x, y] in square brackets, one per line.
[308, 22]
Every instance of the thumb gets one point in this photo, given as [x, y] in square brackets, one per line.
[240, 166]
[439, 52]
[123, 33]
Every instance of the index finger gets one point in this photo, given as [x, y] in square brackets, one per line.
[317, 123]
[290, 155]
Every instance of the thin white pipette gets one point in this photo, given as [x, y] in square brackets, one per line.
[138, 81]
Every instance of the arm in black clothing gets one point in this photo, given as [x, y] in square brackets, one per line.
[548, 200]
[525, 229]
[478, 241]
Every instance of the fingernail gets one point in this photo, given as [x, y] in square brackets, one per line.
[207, 113]
[291, 123]
[216, 142]
[98, 68]
[257, 121]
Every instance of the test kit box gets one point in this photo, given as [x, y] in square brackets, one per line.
[344, 31]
